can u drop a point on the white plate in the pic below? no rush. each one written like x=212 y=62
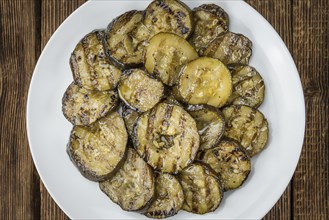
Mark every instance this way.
x=48 y=130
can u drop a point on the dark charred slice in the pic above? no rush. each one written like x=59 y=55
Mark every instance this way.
x=170 y=16
x=130 y=117
x=132 y=187
x=139 y=91
x=165 y=55
x=83 y=107
x=230 y=161
x=248 y=86
x=169 y=197
x=99 y=149
x=230 y=48
x=203 y=190
x=91 y=69
x=167 y=138
x=247 y=126
x=125 y=40
x=204 y=81
x=210 y=123
x=210 y=21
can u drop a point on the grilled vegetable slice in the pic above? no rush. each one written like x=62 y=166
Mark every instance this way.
x=165 y=54
x=204 y=81
x=89 y=65
x=126 y=38
x=169 y=197
x=169 y=16
x=130 y=117
x=210 y=123
x=132 y=187
x=248 y=86
x=167 y=138
x=98 y=150
x=83 y=107
x=230 y=161
x=139 y=91
x=210 y=21
x=172 y=100
x=248 y=126
x=202 y=189
x=230 y=48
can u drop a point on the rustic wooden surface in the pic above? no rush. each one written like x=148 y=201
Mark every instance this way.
x=26 y=26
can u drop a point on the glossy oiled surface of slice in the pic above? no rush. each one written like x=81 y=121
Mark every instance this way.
x=230 y=161
x=210 y=124
x=204 y=81
x=89 y=65
x=230 y=48
x=248 y=126
x=126 y=39
x=139 y=91
x=210 y=20
x=167 y=138
x=132 y=187
x=165 y=55
x=98 y=149
x=83 y=107
x=248 y=86
x=169 y=197
x=171 y=16
x=202 y=190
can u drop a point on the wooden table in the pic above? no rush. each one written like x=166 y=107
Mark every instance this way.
x=26 y=26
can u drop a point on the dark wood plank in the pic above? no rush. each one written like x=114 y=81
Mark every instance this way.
x=19 y=189
x=278 y=13
x=53 y=13
x=311 y=53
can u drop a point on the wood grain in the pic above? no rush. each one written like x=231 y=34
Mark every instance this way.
x=310 y=50
x=27 y=25
x=20 y=197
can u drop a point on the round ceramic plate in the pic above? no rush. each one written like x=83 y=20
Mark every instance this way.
x=48 y=130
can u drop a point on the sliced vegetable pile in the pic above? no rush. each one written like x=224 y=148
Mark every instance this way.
x=164 y=108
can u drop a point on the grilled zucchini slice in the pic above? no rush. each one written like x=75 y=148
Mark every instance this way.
x=89 y=65
x=169 y=197
x=248 y=86
x=132 y=187
x=130 y=117
x=139 y=91
x=172 y=100
x=210 y=21
x=204 y=81
x=202 y=189
x=167 y=138
x=83 y=107
x=247 y=126
x=230 y=48
x=230 y=161
x=171 y=16
x=126 y=38
x=210 y=123
x=98 y=150
x=165 y=54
